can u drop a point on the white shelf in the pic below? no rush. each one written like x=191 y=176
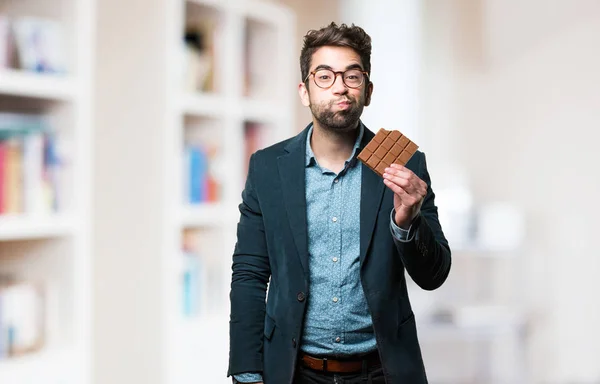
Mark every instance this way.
x=35 y=85
x=250 y=109
x=200 y=104
x=261 y=110
x=23 y=227
x=48 y=367
x=208 y=214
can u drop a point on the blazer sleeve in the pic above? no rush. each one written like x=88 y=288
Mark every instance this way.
x=251 y=272
x=427 y=257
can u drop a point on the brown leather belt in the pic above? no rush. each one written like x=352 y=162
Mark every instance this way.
x=340 y=366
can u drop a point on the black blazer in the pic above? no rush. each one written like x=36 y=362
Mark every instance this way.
x=272 y=244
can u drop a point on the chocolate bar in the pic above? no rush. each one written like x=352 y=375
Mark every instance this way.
x=386 y=148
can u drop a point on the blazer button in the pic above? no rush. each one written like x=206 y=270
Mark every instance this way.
x=301 y=297
x=294 y=342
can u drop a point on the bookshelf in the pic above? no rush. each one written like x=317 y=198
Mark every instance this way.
x=173 y=96
x=247 y=104
x=45 y=252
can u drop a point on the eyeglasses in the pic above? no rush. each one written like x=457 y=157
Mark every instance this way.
x=325 y=78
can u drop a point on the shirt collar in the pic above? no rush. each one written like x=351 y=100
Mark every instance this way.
x=310 y=156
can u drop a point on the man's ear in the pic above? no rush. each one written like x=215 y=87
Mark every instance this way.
x=303 y=92
x=368 y=93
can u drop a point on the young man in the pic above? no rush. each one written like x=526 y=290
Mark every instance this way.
x=335 y=240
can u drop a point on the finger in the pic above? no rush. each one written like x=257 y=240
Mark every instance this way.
x=405 y=184
x=406 y=198
x=402 y=188
x=399 y=170
x=398 y=190
x=406 y=201
x=403 y=172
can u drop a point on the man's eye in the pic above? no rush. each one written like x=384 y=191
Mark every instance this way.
x=352 y=77
x=324 y=77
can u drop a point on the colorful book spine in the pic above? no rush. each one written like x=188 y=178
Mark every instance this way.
x=200 y=184
x=30 y=165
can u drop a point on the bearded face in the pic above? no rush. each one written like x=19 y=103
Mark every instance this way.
x=336 y=107
x=339 y=114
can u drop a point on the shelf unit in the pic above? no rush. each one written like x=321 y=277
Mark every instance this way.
x=52 y=249
x=152 y=130
x=253 y=84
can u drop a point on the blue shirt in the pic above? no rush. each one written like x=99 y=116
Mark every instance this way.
x=337 y=320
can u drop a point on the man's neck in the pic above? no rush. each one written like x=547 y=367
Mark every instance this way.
x=332 y=149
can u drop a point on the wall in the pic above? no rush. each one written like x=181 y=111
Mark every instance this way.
x=519 y=90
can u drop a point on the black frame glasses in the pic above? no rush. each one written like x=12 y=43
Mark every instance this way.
x=334 y=77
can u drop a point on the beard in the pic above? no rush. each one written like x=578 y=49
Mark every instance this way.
x=337 y=121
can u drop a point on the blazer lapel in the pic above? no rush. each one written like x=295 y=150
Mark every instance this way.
x=292 y=174
x=371 y=195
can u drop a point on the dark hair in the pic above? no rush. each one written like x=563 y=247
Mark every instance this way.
x=339 y=36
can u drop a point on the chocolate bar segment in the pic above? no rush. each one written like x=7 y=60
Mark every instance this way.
x=386 y=148
x=372 y=146
x=396 y=150
x=373 y=161
x=380 y=136
x=411 y=148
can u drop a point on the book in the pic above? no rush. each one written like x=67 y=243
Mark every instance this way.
x=21 y=318
x=30 y=165
x=5 y=42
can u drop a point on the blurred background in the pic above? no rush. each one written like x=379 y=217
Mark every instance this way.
x=125 y=132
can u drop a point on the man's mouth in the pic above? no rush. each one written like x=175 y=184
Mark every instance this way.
x=344 y=104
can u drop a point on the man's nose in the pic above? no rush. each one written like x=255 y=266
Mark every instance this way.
x=338 y=86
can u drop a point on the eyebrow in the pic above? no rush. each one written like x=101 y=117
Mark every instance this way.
x=351 y=66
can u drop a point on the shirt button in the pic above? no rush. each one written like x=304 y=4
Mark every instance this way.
x=300 y=296
x=335 y=181
x=334 y=219
x=338 y=339
x=335 y=259
x=335 y=299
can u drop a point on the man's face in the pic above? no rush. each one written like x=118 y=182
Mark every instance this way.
x=339 y=107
